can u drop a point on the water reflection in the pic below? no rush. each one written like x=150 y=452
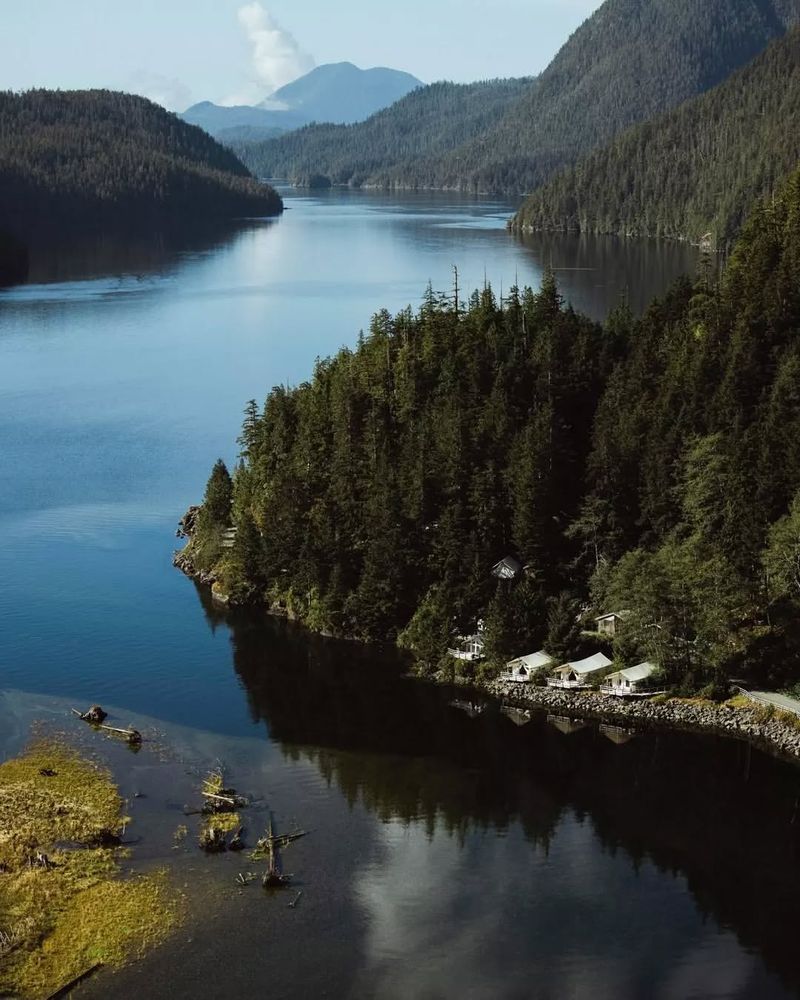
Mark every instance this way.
x=597 y=272
x=596 y=859
x=100 y=255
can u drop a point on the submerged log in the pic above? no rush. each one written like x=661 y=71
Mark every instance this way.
x=133 y=736
x=220 y=800
x=95 y=715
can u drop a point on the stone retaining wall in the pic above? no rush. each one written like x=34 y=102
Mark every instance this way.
x=776 y=733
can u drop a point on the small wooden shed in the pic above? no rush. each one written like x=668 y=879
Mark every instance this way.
x=611 y=623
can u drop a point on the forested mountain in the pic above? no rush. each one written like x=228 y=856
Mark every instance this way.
x=426 y=123
x=652 y=464
x=630 y=61
x=692 y=171
x=83 y=160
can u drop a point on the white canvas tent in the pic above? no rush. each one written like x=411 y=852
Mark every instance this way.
x=578 y=673
x=628 y=682
x=521 y=670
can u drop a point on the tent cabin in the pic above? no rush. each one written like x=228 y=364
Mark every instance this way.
x=565 y=725
x=507 y=569
x=578 y=674
x=611 y=624
x=521 y=670
x=628 y=683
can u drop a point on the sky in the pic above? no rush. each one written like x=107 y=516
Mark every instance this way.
x=178 y=52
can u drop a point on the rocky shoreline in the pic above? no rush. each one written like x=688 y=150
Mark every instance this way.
x=769 y=728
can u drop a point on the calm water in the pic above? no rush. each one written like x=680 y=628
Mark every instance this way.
x=452 y=856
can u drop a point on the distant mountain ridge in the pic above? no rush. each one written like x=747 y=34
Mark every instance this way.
x=631 y=60
x=339 y=93
x=691 y=172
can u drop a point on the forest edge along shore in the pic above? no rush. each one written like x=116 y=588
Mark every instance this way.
x=740 y=717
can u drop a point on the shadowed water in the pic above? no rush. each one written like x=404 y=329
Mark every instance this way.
x=451 y=855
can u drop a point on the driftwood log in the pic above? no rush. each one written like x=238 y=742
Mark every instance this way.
x=133 y=736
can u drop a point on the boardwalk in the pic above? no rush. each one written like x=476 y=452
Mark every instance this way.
x=781 y=701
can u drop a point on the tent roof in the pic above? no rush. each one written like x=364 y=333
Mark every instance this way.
x=533 y=661
x=638 y=673
x=589 y=665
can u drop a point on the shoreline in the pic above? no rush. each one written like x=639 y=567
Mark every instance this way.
x=768 y=729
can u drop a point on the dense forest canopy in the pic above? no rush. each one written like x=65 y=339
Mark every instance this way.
x=95 y=159
x=428 y=122
x=630 y=61
x=692 y=171
x=650 y=464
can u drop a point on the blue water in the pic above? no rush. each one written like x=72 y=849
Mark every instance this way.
x=455 y=857
x=123 y=380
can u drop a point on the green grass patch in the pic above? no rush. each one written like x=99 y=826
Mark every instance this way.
x=60 y=918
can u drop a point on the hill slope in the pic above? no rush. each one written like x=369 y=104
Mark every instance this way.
x=426 y=122
x=691 y=171
x=631 y=60
x=94 y=159
x=652 y=465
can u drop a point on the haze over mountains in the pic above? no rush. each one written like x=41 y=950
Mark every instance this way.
x=337 y=92
x=629 y=62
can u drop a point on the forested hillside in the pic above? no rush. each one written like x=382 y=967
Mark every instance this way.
x=692 y=171
x=428 y=122
x=630 y=61
x=93 y=159
x=652 y=464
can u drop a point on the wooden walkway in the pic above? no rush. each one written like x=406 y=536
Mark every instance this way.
x=781 y=701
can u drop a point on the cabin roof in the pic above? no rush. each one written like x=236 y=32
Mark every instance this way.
x=622 y=615
x=507 y=568
x=533 y=661
x=638 y=673
x=589 y=665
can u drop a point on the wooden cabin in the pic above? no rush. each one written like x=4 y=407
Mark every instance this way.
x=507 y=569
x=578 y=674
x=628 y=683
x=612 y=623
x=469 y=647
x=522 y=670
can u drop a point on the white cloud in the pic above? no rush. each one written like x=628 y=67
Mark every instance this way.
x=168 y=91
x=277 y=59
